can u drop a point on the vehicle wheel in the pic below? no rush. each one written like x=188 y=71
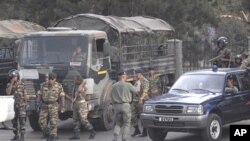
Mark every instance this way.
x=107 y=120
x=107 y=113
x=33 y=120
x=214 y=129
x=157 y=134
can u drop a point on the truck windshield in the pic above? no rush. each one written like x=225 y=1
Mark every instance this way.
x=46 y=50
x=199 y=83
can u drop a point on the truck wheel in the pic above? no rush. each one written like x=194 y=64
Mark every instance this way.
x=33 y=120
x=157 y=134
x=107 y=120
x=107 y=113
x=213 y=131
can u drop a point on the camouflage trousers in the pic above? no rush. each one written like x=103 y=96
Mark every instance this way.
x=123 y=119
x=136 y=110
x=80 y=116
x=49 y=112
x=19 y=119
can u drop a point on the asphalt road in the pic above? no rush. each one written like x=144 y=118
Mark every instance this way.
x=65 y=129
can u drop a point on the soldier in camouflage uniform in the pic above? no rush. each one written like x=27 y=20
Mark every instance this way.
x=16 y=87
x=121 y=97
x=142 y=97
x=155 y=86
x=223 y=53
x=49 y=96
x=246 y=61
x=80 y=109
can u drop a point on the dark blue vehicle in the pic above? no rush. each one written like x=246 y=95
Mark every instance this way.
x=199 y=102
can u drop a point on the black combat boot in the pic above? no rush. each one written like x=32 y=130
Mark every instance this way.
x=136 y=131
x=92 y=134
x=144 y=133
x=45 y=135
x=76 y=136
x=15 y=138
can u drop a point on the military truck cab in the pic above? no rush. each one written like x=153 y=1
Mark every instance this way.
x=52 y=51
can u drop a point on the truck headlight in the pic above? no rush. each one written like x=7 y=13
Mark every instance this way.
x=148 y=108
x=198 y=109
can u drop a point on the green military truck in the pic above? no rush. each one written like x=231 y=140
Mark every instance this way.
x=109 y=44
x=10 y=32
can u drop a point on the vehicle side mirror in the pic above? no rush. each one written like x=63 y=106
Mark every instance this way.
x=106 y=48
x=229 y=91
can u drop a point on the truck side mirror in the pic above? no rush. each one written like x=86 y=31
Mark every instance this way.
x=106 y=48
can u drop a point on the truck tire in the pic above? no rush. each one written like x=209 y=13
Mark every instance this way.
x=107 y=114
x=107 y=120
x=33 y=120
x=213 y=131
x=157 y=134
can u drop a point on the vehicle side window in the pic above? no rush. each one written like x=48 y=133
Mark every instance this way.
x=97 y=50
x=232 y=82
x=245 y=81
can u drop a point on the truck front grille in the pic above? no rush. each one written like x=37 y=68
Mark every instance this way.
x=169 y=109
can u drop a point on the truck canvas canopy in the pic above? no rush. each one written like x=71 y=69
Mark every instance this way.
x=136 y=42
x=10 y=32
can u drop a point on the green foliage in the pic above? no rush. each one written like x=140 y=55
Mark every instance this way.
x=188 y=17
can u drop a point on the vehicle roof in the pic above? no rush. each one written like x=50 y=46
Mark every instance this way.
x=67 y=32
x=221 y=71
x=14 y=29
x=121 y=24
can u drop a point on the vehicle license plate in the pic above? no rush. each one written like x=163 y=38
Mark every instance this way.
x=166 y=119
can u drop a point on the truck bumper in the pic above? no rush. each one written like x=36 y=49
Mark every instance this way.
x=178 y=123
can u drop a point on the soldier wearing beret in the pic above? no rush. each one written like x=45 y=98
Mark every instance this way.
x=121 y=96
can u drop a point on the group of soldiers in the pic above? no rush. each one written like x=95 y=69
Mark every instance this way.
x=49 y=95
x=224 y=58
x=128 y=101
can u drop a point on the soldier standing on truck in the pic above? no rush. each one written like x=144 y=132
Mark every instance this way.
x=155 y=85
x=223 y=53
x=142 y=97
x=80 y=109
x=49 y=96
x=121 y=97
x=16 y=87
x=246 y=61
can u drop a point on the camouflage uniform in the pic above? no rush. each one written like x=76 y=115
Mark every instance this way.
x=154 y=86
x=121 y=97
x=246 y=63
x=224 y=60
x=19 y=92
x=137 y=107
x=49 y=109
x=80 y=111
